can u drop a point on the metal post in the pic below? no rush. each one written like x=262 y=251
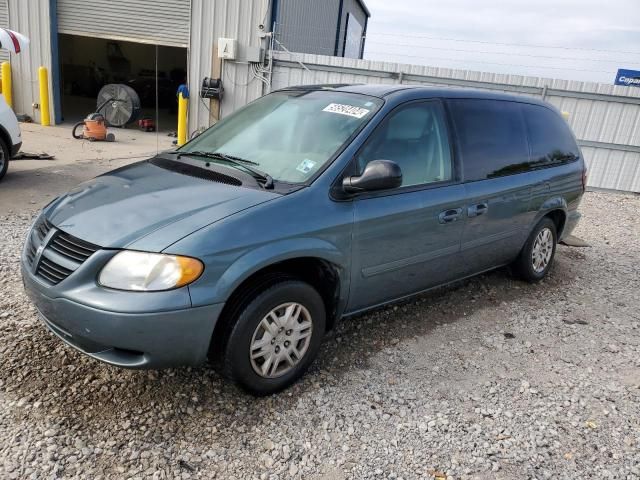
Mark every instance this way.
x=6 y=83
x=182 y=119
x=43 y=75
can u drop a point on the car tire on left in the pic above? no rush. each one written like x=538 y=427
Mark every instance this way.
x=4 y=158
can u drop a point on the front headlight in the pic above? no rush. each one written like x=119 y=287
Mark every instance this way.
x=149 y=272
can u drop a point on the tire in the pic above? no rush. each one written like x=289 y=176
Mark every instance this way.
x=249 y=334
x=4 y=158
x=535 y=269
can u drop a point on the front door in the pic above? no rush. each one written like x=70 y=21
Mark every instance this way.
x=493 y=147
x=407 y=239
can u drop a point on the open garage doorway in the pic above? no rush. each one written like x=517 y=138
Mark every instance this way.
x=89 y=63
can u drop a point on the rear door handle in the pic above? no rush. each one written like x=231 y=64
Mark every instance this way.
x=477 y=209
x=450 y=216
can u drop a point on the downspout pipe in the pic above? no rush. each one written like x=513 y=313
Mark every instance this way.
x=56 y=81
x=335 y=49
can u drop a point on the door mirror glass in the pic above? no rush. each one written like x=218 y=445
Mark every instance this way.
x=377 y=175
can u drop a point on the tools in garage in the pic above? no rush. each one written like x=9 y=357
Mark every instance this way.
x=93 y=129
x=147 y=124
x=118 y=106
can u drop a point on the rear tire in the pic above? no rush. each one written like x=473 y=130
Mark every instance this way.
x=275 y=337
x=4 y=158
x=536 y=257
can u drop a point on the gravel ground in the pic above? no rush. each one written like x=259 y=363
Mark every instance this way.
x=490 y=378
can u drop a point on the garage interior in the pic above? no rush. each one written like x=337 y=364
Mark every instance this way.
x=89 y=63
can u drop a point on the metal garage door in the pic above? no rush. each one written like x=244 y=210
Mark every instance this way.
x=4 y=23
x=162 y=22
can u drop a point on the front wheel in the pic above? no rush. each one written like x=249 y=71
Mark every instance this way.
x=536 y=256
x=275 y=337
x=4 y=158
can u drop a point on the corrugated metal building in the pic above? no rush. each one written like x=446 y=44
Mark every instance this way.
x=154 y=46
x=339 y=26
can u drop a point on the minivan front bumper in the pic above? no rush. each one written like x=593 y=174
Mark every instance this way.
x=132 y=340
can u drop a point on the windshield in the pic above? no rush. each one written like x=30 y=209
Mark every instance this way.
x=288 y=135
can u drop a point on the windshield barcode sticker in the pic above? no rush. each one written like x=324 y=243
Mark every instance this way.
x=305 y=166
x=350 y=110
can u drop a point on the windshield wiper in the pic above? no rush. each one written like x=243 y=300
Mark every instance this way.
x=264 y=179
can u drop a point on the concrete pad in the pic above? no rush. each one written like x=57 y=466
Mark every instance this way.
x=57 y=140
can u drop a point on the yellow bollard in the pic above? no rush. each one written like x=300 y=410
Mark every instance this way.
x=6 y=83
x=45 y=119
x=182 y=119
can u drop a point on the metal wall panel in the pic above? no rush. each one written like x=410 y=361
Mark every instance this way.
x=32 y=19
x=349 y=7
x=308 y=25
x=161 y=22
x=211 y=19
x=606 y=114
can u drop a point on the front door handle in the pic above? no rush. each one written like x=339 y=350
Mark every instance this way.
x=477 y=209
x=449 y=216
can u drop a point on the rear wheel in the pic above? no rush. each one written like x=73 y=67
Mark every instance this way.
x=537 y=255
x=4 y=158
x=275 y=337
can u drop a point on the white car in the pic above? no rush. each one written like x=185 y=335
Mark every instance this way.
x=10 y=136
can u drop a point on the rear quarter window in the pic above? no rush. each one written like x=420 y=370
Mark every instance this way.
x=492 y=138
x=550 y=137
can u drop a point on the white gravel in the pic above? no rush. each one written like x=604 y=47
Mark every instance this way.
x=491 y=378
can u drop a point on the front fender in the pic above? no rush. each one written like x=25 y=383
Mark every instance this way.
x=255 y=260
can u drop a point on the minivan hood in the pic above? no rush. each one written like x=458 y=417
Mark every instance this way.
x=134 y=206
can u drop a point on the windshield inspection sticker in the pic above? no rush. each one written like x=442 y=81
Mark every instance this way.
x=350 y=110
x=306 y=165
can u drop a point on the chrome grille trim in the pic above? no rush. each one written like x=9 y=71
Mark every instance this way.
x=62 y=246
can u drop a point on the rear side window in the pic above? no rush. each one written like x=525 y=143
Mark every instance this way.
x=549 y=136
x=492 y=138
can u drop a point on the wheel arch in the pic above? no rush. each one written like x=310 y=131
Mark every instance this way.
x=6 y=138
x=555 y=208
x=324 y=268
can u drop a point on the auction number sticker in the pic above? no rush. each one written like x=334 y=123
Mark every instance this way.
x=350 y=110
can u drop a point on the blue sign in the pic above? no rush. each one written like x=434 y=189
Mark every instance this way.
x=630 y=78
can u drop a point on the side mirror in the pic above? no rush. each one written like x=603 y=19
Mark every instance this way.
x=377 y=175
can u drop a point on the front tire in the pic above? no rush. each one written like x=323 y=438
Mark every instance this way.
x=536 y=257
x=275 y=337
x=4 y=158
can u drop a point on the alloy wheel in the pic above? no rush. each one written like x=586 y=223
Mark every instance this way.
x=542 y=250
x=281 y=340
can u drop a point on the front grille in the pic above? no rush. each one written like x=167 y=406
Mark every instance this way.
x=71 y=247
x=36 y=237
x=51 y=271
x=62 y=255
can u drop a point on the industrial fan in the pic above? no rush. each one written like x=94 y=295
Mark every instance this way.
x=118 y=105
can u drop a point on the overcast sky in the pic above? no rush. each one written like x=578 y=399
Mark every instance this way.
x=597 y=36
